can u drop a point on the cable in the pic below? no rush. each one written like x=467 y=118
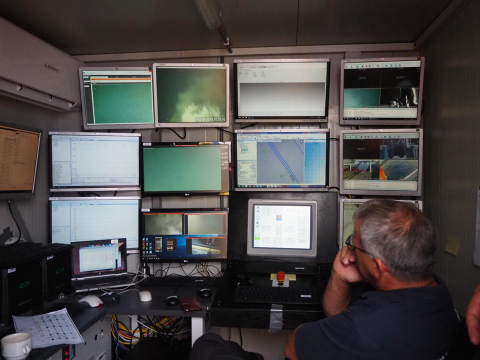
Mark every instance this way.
x=241 y=337
x=244 y=127
x=83 y=193
x=185 y=133
x=132 y=131
x=15 y=220
x=222 y=130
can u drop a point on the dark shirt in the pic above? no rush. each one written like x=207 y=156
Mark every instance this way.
x=412 y=324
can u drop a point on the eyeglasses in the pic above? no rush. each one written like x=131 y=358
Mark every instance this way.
x=352 y=247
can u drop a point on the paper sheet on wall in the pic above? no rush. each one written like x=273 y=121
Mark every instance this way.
x=55 y=328
x=476 y=255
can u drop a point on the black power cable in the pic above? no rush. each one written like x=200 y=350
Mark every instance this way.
x=15 y=220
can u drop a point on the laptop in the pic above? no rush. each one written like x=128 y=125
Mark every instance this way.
x=100 y=264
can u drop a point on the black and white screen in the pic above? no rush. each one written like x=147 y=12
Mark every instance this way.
x=281 y=90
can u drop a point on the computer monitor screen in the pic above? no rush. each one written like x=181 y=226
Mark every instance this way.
x=99 y=257
x=348 y=208
x=381 y=162
x=191 y=95
x=381 y=91
x=281 y=90
x=281 y=228
x=87 y=219
x=19 y=148
x=176 y=235
x=186 y=168
x=94 y=161
x=116 y=98
x=282 y=160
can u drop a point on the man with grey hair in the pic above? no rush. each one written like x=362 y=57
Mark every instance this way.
x=408 y=315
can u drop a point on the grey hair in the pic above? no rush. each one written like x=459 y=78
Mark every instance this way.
x=400 y=235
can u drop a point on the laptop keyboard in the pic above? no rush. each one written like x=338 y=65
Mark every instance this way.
x=106 y=282
x=268 y=267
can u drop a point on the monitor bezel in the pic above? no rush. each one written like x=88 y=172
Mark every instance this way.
x=183 y=193
x=286 y=189
x=280 y=253
x=87 y=198
x=282 y=119
x=419 y=203
x=417 y=192
x=393 y=121
x=94 y=187
x=182 y=210
x=87 y=126
x=159 y=124
x=22 y=194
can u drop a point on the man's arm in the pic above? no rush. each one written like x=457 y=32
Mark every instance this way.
x=338 y=293
x=473 y=317
x=290 y=346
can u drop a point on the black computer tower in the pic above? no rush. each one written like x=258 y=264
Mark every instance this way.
x=58 y=274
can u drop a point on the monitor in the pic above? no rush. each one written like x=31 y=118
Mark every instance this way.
x=99 y=258
x=282 y=160
x=19 y=149
x=381 y=162
x=348 y=208
x=74 y=219
x=176 y=235
x=386 y=91
x=116 y=98
x=282 y=228
x=186 y=168
x=191 y=95
x=280 y=90
x=94 y=161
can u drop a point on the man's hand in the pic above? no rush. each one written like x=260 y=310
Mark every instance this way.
x=473 y=317
x=345 y=267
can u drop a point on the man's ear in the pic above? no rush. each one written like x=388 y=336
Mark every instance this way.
x=379 y=268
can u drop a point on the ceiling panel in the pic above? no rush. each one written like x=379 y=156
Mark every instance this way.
x=329 y=22
x=82 y=27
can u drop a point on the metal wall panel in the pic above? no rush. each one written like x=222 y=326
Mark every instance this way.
x=452 y=146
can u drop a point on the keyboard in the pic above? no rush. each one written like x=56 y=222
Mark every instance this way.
x=72 y=307
x=277 y=295
x=268 y=267
x=181 y=281
x=110 y=280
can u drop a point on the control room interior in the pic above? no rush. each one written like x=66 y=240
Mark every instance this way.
x=76 y=34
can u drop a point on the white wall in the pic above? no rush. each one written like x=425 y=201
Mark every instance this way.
x=452 y=144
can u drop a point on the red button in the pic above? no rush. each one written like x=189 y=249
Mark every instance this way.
x=280 y=276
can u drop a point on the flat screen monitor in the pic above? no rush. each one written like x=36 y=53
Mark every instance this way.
x=385 y=91
x=116 y=98
x=74 y=219
x=348 y=208
x=282 y=228
x=94 y=161
x=176 y=235
x=19 y=149
x=191 y=95
x=99 y=258
x=186 y=168
x=381 y=162
x=282 y=160
x=274 y=90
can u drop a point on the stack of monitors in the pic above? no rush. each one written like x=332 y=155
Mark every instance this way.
x=78 y=219
x=280 y=90
x=176 y=235
x=20 y=147
x=385 y=91
x=94 y=161
x=282 y=160
x=116 y=98
x=348 y=208
x=186 y=168
x=381 y=162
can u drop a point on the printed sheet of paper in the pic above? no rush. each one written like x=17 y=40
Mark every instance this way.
x=55 y=328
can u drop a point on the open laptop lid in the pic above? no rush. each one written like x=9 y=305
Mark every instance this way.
x=99 y=258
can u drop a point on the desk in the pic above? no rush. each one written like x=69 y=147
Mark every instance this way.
x=225 y=313
x=130 y=304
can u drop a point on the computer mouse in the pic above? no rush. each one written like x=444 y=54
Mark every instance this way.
x=115 y=296
x=91 y=300
x=204 y=293
x=145 y=295
x=172 y=300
